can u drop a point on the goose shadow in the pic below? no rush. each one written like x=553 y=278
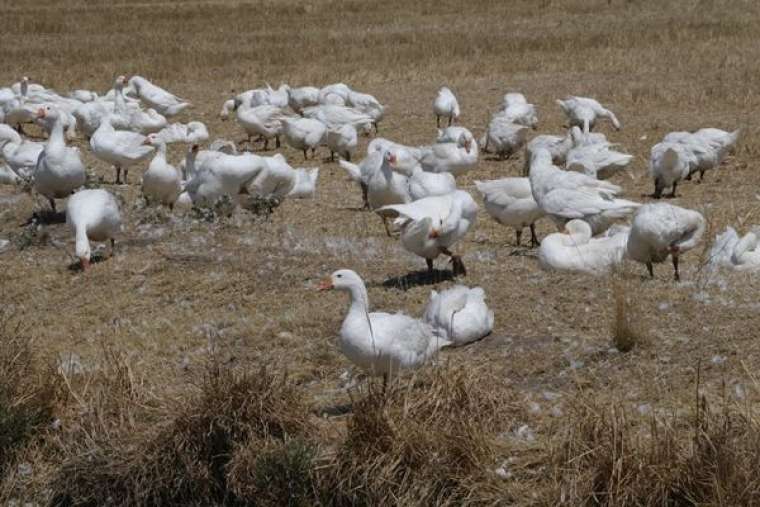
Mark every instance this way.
x=524 y=252
x=335 y=410
x=46 y=217
x=418 y=278
x=76 y=267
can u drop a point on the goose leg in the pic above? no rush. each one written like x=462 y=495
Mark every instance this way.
x=437 y=121
x=118 y=175
x=451 y=118
x=518 y=236
x=332 y=156
x=313 y=152
x=650 y=269
x=674 y=251
x=364 y=194
x=534 y=242
x=266 y=143
x=387 y=228
x=276 y=141
x=673 y=193
x=305 y=154
x=701 y=176
x=113 y=246
x=377 y=130
x=456 y=263
x=52 y=203
x=658 y=186
x=126 y=176
x=430 y=267
x=348 y=156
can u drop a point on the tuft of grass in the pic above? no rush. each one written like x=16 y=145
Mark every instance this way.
x=627 y=332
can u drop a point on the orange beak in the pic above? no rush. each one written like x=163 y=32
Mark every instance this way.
x=325 y=284
x=41 y=112
x=434 y=234
x=392 y=159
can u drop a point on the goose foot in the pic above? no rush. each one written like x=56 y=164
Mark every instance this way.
x=458 y=266
x=534 y=242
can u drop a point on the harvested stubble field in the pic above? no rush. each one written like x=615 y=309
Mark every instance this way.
x=200 y=366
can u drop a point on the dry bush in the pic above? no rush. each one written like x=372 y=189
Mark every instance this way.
x=627 y=332
x=608 y=456
x=179 y=451
x=27 y=390
x=432 y=441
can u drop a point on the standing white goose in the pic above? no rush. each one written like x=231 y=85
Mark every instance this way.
x=59 y=169
x=510 y=202
x=304 y=134
x=133 y=118
x=431 y=226
x=669 y=163
x=459 y=314
x=453 y=157
x=213 y=174
x=599 y=161
x=92 y=215
x=584 y=112
x=504 y=137
x=20 y=154
x=156 y=97
x=120 y=148
x=660 y=230
x=302 y=97
x=445 y=105
x=574 y=250
x=380 y=343
x=565 y=195
x=161 y=182
x=342 y=140
x=516 y=109
x=263 y=121
x=386 y=186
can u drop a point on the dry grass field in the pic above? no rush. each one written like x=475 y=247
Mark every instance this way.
x=200 y=365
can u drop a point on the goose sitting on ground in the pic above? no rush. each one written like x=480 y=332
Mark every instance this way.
x=584 y=112
x=304 y=134
x=733 y=252
x=120 y=148
x=659 y=230
x=431 y=226
x=574 y=250
x=510 y=202
x=669 y=163
x=306 y=184
x=453 y=157
x=445 y=105
x=381 y=344
x=597 y=160
x=21 y=155
x=161 y=183
x=275 y=180
x=92 y=215
x=59 y=169
x=459 y=314
x=302 y=97
x=342 y=140
x=565 y=195
x=156 y=97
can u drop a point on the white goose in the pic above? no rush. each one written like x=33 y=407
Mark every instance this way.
x=431 y=226
x=8 y=176
x=361 y=173
x=156 y=97
x=335 y=94
x=342 y=140
x=504 y=138
x=426 y=184
x=659 y=230
x=306 y=184
x=445 y=105
x=59 y=169
x=20 y=154
x=510 y=202
x=565 y=195
x=336 y=116
x=460 y=315
x=120 y=148
x=738 y=254
x=456 y=158
x=92 y=215
x=599 y=161
x=367 y=104
x=213 y=174
x=669 y=163
x=381 y=344
x=161 y=182
x=516 y=109
x=302 y=97
x=557 y=146
x=276 y=179
x=193 y=132
x=577 y=252
x=584 y=112
x=263 y=121
x=134 y=118
x=386 y=186
x=304 y=134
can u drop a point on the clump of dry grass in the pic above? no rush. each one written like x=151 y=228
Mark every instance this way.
x=627 y=332
x=27 y=390
x=179 y=451
x=432 y=441
x=609 y=456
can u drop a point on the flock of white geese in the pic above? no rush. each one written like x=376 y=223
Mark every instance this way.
x=413 y=189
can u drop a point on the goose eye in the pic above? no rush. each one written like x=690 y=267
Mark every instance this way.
x=340 y=276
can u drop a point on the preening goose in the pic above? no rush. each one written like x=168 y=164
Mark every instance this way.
x=510 y=202
x=336 y=116
x=453 y=157
x=304 y=134
x=133 y=118
x=161 y=183
x=263 y=121
x=368 y=105
x=431 y=226
x=92 y=215
x=59 y=169
x=193 y=132
x=302 y=97
x=213 y=174
x=574 y=250
x=669 y=163
x=275 y=180
x=335 y=94
x=734 y=252
x=120 y=148
x=459 y=314
x=156 y=97
x=565 y=195
x=584 y=112
x=599 y=161
x=516 y=109
x=660 y=230
x=381 y=344
x=504 y=138
x=445 y=105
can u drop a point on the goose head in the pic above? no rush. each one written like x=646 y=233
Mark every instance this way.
x=82 y=250
x=343 y=279
x=578 y=229
x=152 y=140
x=390 y=158
x=120 y=82
x=48 y=112
x=465 y=142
